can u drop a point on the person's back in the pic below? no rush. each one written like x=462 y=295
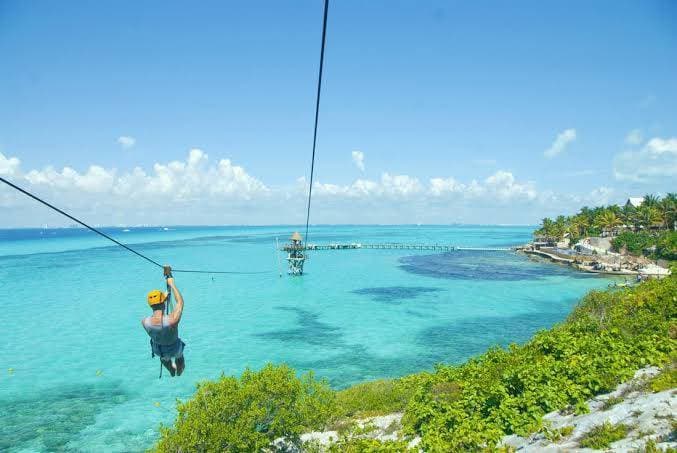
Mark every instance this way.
x=164 y=336
x=163 y=330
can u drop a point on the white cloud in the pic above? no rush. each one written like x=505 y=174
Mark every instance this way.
x=499 y=187
x=600 y=196
x=391 y=186
x=126 y=141
x=657 y=160
x=9 y=166
x=561 y=142
x=197 y=190
x=358 y=159
x=634 y=137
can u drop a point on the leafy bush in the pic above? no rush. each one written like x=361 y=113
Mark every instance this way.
x=378 y=397
x=247 y=414
x=555 y=435
x=611 y=402
x=603 y=342
x=636 y=243
x=362 y=445
x=666 y=380
x=601 y=436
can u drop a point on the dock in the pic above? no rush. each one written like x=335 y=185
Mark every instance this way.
x=401 y=246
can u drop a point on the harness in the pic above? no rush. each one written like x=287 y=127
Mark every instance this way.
x=169 y=307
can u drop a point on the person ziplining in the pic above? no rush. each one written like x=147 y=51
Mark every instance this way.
x=163 y=327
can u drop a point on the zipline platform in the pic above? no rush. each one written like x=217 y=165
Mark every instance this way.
x=397 y=246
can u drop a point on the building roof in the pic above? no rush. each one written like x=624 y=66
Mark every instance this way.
x=296 y=236
x=635 y=201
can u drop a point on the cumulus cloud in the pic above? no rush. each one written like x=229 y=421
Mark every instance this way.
x=9 y=166
x=634 y=137
x=391 y=186
x=500 y=186
x=200 y=190
x=126 y=142
x=655 y=161
x=358 y=159
x=600 y=196
x=561 y=142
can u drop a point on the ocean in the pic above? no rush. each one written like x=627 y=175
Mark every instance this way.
x=76 y=369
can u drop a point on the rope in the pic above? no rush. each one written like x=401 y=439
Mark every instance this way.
x=101 y=233
x=317 y=114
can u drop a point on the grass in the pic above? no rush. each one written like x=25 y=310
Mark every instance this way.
x=380 y=397
x=602 y=436
x=666 y=380
x=611 y=402
x=555 y=435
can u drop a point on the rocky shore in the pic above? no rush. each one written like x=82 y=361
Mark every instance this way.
x=647 y=418
x=597 y=259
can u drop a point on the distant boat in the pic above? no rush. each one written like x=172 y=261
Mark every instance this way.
x=166 y=229
x=126 y=230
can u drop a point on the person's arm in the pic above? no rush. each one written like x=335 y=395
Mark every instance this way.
x=175 y=315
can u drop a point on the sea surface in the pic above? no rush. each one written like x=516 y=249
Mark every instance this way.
x=76 y=372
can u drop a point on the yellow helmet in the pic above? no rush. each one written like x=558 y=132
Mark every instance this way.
x=156 y=297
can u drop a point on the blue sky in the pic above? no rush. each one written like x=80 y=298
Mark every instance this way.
x=453 y=91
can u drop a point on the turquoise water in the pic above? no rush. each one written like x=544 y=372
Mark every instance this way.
x=81 y=376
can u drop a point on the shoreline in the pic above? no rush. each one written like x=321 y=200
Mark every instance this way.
x=577 y=262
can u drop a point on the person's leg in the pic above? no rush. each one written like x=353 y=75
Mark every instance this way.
x=180 y=365
x=167 y=363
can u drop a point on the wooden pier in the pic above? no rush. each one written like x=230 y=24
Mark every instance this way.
x=399 y=246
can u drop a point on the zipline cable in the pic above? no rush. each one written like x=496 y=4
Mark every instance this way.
x=97 y=231
x=317 y=114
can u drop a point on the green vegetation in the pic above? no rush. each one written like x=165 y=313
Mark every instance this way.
x=467 y=407
x=666 y=380
x=555 y=435
x=653 y=215
x=601 y=436
x=607 y=337
x=658 y=245
x=611 y=402
x=247 y=414
x=383 y=396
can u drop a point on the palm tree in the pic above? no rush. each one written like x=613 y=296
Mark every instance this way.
x=648 y=216
x=607 y=221
x=628 y=215
x=669 y=207
x=650 y=201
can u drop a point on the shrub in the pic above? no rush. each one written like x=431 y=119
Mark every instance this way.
x=666 y=380
x=247 y=414
x=611 y=402
x=507 y=391
x=378 y=397
x=665 y=243
x=601 y=436
x=361 y=445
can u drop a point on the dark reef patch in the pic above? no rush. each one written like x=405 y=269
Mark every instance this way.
x=395 y=294
x=457 y=341
x=309 y=331
x=469 y=265
x=51 y=418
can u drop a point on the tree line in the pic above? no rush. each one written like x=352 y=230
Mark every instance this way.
x=655 y=213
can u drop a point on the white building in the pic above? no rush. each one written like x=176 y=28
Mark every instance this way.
x=635 y=202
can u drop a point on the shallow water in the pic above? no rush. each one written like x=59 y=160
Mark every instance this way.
x=77 y=371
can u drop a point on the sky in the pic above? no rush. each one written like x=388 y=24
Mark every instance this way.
x=130 y=113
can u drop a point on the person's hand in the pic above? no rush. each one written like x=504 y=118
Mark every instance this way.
x=170 y=281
